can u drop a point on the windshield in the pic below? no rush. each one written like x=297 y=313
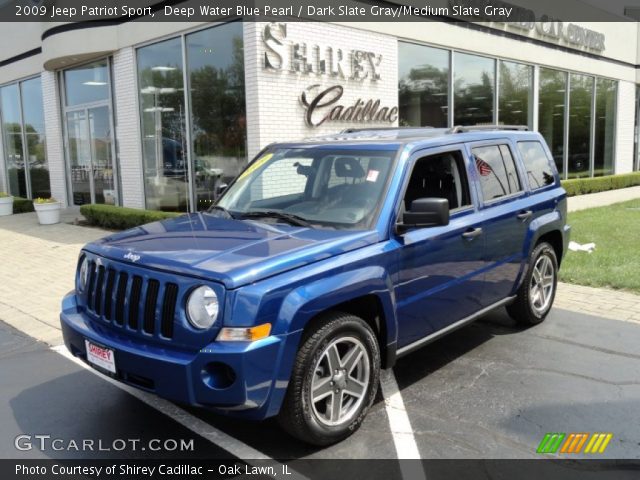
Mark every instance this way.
x=339 y=188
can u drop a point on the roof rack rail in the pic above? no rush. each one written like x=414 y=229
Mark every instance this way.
x=473 y=128
x=383 y=129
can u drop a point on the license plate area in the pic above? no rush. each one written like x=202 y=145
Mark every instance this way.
x=101 y=357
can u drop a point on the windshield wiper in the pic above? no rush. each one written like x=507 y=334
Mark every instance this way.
x=218 y=208
x=288 y=217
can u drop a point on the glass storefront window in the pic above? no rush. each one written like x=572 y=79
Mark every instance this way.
x=474 y=85
x=24 y=139
x=216 y=113
x=33 y=118
x=215 y=60
x=514 y=102
x=551 y=107
x=163 y=112
x=580 y=97
x=423 y=85
x=605 y=126
x=12 y=130
x=87 y=83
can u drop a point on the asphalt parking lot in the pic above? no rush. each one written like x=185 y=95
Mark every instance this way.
x=489 y=390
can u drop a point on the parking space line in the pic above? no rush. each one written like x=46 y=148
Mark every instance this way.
x=399 y=423
x=221 y=439
x=401 y=430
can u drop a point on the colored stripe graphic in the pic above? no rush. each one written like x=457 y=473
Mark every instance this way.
x=550 y=443
x=573 y=442
x=598 y=443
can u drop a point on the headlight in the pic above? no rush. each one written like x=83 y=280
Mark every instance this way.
x=202 y=307
x=83 y=277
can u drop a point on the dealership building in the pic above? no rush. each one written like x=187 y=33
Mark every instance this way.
x=160 y=115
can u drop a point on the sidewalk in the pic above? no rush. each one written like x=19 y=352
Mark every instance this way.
x=37 y=268
x=38 y=263
x=600 y=199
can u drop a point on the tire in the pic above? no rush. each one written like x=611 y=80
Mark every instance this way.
x=530 y=308
x=316 y=422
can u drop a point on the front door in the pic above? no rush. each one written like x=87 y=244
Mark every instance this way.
x=440 y=269
x=90 y=150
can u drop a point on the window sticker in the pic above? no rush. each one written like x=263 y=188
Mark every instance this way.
x=372 y=175
x=256 y=165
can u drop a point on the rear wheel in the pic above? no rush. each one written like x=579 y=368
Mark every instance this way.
x=538 y=290
x=334 y=381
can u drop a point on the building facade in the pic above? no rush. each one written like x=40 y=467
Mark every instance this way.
x=162 y=115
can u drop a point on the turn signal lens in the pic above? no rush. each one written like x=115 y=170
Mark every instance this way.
x=249 y=334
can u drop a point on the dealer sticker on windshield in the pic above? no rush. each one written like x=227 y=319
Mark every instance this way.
x=100 y=356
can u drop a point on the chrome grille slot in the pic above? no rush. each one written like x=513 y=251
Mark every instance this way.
x=98 y=296
x=153 y=286
x=168 y=309
x=108 y=294
x=134 y=302
x=123 y=279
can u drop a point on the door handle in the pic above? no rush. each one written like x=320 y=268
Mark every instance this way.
x=524 y=215
x=472 y=233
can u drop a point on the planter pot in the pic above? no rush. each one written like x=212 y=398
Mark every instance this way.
x=48 y=213
x=6 y=206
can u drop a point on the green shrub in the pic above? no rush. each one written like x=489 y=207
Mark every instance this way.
x=580 y=186
x=121 y=218
x=22 y=205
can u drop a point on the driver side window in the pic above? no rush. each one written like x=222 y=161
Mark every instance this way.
x=441 y=175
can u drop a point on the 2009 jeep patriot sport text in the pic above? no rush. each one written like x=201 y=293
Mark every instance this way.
x=321 y=263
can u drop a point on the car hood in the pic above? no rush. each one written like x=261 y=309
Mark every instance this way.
x=233 y=252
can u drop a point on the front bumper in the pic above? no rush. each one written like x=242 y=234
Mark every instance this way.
x=186 y=376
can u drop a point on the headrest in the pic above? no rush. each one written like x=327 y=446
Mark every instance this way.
x=348 y=167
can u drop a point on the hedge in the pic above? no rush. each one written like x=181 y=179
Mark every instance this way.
x=580 y=186
x=121 y=218
x=22 y=205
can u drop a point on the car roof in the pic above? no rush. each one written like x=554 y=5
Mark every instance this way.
x=393 y=138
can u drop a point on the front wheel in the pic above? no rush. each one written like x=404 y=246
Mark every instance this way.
x=538 y=289
x=334 y=381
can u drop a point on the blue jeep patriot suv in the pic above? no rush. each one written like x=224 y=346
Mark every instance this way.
x=323 y=262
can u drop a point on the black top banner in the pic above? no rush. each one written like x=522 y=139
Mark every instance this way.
x=522 y=12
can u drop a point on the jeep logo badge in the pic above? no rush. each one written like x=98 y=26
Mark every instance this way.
x=132 y=256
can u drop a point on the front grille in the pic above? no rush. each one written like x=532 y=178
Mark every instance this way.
x=137 y=302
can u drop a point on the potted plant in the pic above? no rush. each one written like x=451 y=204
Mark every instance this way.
x=6 y=204
x=48 y=210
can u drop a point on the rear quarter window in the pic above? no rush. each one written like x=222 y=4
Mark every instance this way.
x=537 y=165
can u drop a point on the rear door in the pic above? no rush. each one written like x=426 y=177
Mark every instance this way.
x=506 y=210
x=439 y=279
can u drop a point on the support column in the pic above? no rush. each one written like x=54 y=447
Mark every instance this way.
x=53 y=131
x=127 y=120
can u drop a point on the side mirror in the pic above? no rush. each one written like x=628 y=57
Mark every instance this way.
x=221 y=188
x=425 y=212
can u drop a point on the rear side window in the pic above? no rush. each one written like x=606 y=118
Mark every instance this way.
x=496 y=171
x=537 y=164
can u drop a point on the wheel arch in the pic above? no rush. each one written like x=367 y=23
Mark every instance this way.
x=366 y=293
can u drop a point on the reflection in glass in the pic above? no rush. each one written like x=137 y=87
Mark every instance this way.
x=100 y=142
x=551 y=103
x=605 y=126
x=216 y=71
x=163 y=126
x=87 y=83
x=580 y=96
x=514 y=93
x=473 y=89
x=423 y=85
x=12 y=130
x=33 y=118
x=79 y=152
